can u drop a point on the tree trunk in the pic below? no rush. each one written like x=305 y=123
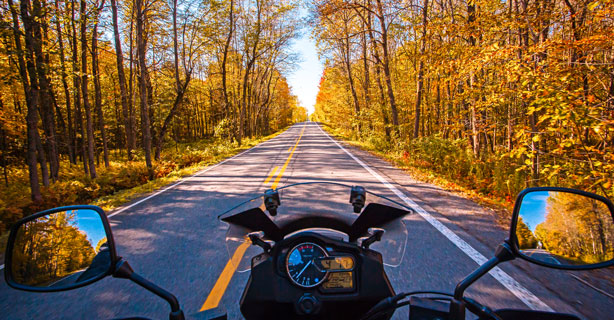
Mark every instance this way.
x=131 y=97
x=365 y=66
x=45 y=96
x=345 y=52
x=421 y=69
x=128 y=123
x=70 y=136
x=42 y=159
x=97 y=89
x=141 y=45
x=250 y=59
x=472 y=76
x=84 y=92
x=227 y=107
x=77 y=90
x=386 y=66
x=39 y=153
x=31 y=101
x=378 y=76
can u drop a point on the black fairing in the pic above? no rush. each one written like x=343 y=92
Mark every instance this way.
x=270 y=294
x=374 y=215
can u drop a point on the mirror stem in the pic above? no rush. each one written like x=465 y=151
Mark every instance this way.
x=502 y=254
x=124 y=271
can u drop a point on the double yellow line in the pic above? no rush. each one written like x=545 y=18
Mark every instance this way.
x=283 y=169
x=216 y=294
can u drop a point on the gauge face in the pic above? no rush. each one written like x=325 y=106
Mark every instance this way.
x=301 y=267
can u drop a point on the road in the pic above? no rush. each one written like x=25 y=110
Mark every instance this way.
x=541 y=255
x=172 y=238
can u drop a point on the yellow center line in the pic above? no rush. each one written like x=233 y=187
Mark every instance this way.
x=271 y=175
x=283 y=169
x=216 y=294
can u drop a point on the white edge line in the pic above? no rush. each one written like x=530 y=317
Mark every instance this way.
x=183 y=180
x=526 y=296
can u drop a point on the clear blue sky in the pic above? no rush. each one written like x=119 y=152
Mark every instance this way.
x=90 y=223
x=533 y=208
x=305 y=79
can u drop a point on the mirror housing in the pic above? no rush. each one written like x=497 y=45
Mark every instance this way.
x=94 y=224
x=16 y=230
x=546 y=255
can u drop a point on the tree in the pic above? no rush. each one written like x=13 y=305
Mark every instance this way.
x=128 y=120
x=181 y=86
x=84 y=91
x=141 y=49
x=98 y=92
x=31 y=99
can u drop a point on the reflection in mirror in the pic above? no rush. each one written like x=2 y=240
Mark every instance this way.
x=60 y=249
x=563 y=228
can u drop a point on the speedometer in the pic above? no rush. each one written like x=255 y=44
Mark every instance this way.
x=301 y=266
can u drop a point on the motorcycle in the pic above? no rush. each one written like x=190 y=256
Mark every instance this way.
x=321 y=258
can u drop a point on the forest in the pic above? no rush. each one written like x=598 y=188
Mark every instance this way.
x=492 y=95
x=99 y=96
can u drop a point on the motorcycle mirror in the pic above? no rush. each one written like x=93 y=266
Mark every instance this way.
x=563 y=228
x=271 y=201
x=358 y=196
x=59 y=249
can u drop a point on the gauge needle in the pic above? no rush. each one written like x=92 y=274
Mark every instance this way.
x=305 y=267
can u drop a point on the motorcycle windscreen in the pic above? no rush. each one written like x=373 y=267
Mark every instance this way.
x=316 y=207
x=392 y=245
x=239 y=247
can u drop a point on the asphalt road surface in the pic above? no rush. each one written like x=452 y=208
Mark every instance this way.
x=541 y=255
x=172 y=238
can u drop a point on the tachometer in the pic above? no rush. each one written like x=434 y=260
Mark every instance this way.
x=301 y=267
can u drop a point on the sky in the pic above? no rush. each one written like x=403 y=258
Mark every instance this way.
x=305 y=79
x=533 y=208
x=90 y=223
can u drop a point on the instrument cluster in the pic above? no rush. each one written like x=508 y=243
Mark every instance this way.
x=310 y=265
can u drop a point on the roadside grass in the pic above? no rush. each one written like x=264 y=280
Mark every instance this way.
x=500 y=206
x=122 y=182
